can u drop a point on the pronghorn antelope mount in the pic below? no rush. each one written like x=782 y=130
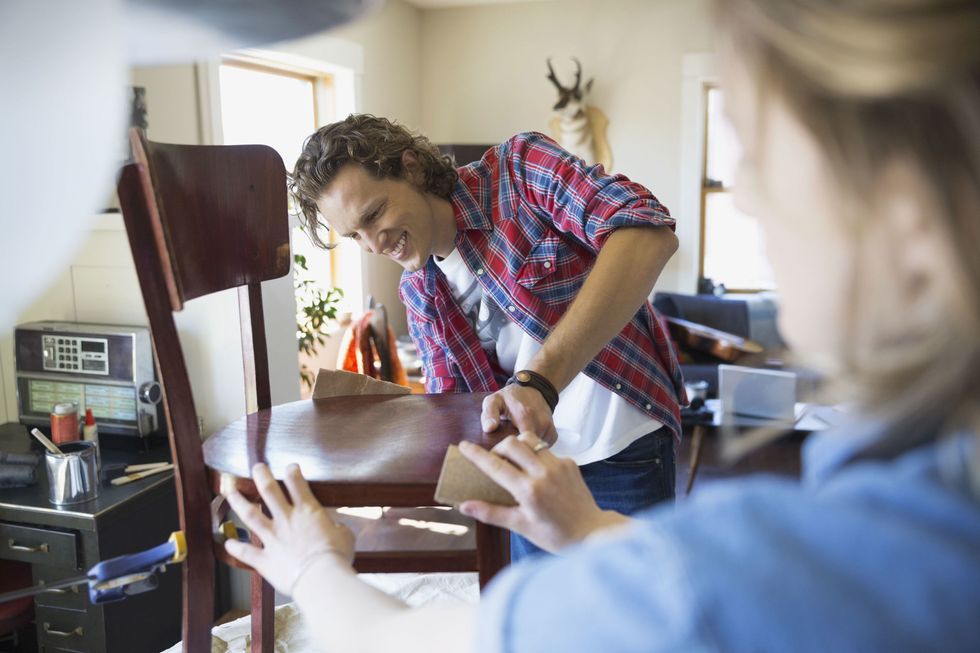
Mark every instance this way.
x=579 y=127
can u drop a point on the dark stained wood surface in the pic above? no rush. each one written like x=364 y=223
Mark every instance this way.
x=202 y=219
x=355 y=451
x=223 y=214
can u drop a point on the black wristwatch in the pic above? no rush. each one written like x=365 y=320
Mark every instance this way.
x=530 y=379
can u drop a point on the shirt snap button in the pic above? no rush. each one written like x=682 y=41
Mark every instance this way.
x=619 y=386
x=480 y=272
x=649 y=406
x=511 y=308
x=547 y=264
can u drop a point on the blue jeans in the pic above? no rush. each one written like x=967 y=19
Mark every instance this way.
x=637 y=477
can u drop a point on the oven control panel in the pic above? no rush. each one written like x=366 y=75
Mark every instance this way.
x=68 y=354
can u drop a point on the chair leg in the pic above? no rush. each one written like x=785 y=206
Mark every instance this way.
x=198 y=602
x=696 y=445
x=492 y=551
x=263 y=615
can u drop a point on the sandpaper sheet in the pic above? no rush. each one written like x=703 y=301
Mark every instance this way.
x=339 y=383
x=460 y=480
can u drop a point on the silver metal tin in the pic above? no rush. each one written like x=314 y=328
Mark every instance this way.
x=73 y=476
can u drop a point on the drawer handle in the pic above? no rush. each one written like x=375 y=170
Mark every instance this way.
x=62 y=633
x=41 y=548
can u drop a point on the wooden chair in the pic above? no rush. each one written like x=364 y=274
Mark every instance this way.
x=379 y=337
x=202 y=219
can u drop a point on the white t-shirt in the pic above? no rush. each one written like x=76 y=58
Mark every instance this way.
x=593 y=423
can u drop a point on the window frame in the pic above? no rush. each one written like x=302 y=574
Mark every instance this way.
x=707 y=189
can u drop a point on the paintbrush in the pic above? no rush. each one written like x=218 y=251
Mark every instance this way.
x=48 y=444
x=143 y=467
x=129 y=478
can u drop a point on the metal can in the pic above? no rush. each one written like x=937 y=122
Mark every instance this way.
x=73 y=475
x=64 y=423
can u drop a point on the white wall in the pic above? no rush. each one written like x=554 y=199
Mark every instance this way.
x=86 y=288
x=484 y=79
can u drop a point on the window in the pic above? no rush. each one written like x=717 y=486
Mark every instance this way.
x=732 y=248
x=279 y=107
x=274 y=103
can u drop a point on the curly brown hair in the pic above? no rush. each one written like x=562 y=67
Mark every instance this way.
x=375 y=143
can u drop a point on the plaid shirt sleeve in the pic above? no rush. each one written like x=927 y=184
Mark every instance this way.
x=576 y=198
x=441 y=374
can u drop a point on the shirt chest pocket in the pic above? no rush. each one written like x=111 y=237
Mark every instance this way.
x=554 y=270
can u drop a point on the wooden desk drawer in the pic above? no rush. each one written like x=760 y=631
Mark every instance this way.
x=73 y=598
x=38 y=546
x=67 y=630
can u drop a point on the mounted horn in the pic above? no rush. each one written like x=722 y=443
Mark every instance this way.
x=554 y=78
x=576 y=125
x=578 y=73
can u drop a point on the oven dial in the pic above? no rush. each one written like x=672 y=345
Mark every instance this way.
x=150 y=393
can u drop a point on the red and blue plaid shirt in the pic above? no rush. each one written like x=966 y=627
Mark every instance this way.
x=531 y=220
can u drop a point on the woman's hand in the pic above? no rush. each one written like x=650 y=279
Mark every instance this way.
x=555 y=507
x=299 y=532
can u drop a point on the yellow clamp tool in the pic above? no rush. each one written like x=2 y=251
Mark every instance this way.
x=179 y=540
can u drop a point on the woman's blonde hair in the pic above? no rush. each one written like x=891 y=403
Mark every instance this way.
x=875 y=82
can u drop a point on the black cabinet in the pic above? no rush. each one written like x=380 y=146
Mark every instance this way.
x=60 y=542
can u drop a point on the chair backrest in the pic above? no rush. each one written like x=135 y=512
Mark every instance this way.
x=378 y=325
x=220 y=213
x=202 y=219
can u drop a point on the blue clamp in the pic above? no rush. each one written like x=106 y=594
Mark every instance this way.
x=117 y=578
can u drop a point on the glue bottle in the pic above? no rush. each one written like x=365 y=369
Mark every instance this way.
x=90 y=431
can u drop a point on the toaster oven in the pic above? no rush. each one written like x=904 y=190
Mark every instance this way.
x=103 y=367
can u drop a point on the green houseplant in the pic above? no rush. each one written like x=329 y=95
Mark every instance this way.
x=316 y=310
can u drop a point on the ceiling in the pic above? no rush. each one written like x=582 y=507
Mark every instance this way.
x=439 y=4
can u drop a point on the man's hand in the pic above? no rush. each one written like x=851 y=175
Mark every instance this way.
x=555 y=508
x=299 y=532
x=524 y=407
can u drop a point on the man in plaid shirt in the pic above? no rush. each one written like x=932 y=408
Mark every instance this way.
x=526 y=276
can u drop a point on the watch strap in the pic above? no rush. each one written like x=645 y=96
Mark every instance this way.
x=531 y=379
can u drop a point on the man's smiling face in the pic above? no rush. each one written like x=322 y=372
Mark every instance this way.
x=390 y=217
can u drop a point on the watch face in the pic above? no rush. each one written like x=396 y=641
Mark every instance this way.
x=523 y=377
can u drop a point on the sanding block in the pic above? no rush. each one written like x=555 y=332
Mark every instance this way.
x=460 y=480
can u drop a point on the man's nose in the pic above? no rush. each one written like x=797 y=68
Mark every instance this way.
x=371 y=242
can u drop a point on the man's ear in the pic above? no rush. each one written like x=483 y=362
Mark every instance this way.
x=413 y=169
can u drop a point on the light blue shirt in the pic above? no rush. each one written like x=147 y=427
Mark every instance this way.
x=870 y=556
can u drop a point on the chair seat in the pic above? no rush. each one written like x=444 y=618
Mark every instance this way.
x=355 y=451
